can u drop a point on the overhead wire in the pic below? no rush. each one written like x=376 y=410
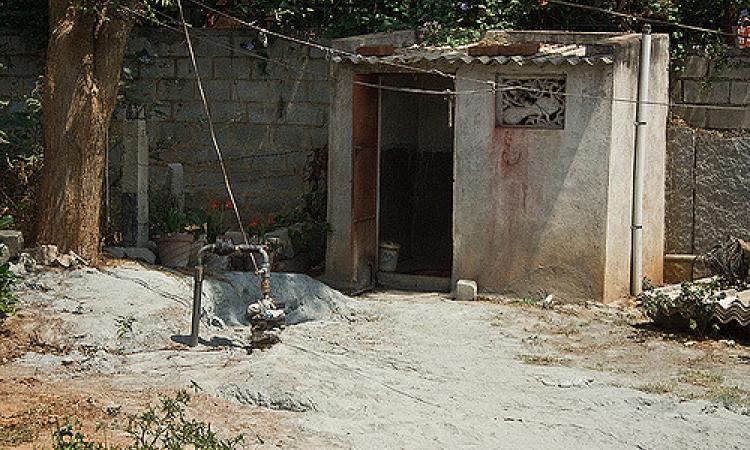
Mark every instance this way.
x=495 y=86
x=639 y=18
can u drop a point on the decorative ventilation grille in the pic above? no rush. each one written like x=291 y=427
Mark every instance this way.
x=537 y=103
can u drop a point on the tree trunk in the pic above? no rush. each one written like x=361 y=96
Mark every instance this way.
x=84 y=62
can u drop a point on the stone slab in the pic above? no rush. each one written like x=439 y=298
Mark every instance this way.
x=679 y=189
x=13 y=240
x=466 y=290
x=722 y=190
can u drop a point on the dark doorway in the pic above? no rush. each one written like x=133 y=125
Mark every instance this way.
x=416 y=174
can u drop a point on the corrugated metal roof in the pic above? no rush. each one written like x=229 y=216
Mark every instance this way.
x=549 y=54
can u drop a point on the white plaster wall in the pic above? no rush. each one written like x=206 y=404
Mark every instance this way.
x=531 y=205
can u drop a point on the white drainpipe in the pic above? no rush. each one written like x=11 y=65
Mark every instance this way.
x=636 y=267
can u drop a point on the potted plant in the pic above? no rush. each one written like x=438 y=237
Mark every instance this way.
x=389 y=256
x=176 y=238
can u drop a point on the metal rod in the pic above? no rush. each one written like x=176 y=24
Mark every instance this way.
x=196 y=322
x=636 y=266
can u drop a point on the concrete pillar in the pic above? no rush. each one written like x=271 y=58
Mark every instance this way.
x=134 y=202
x=175 y=181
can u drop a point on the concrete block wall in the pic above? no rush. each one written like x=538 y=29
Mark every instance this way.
x=704 y=83
x=708 y=156
x=706 y=192
x=268 y=117
x=22 y=64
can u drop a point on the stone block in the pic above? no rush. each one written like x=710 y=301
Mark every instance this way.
x=306 y=114
x=288 y=136
x=695 y=67
x=226 y=111
x=466 y=290
x=184 y=67
x=257 y=91
x=740 y=93
x=237 y=68
x=317 y=69
x=698 y=92
x=319 y=92
x=285 y=184
x=262 y=113
x=318 y=137
x=733 y=68
x=679 y=189
x=721 y=190
x=158 y=68
x=13 y=240
x=695 y=117
x=218 y=90
x=188 y=111
x=728 y=119
x=179 y=90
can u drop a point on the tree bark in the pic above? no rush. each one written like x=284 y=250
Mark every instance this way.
x=84 y=61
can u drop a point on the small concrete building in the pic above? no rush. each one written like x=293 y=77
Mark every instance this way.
x=524 y=187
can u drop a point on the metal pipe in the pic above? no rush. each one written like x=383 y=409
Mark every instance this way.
x=196 y=321
x=636 y=266
x=224 y=249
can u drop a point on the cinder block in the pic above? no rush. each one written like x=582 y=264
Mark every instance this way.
x=158 y=68
x=466 y=290
x=306 y=114
x=232 y=68
x=185 y=68
x=289 y=136
x=257 y=91
x=13 y=240
x=180 y=90
x=734 y=68
x=714 y=93
x=740 y=94
x=319 y=92
x=695 y=67
x=262 y=113
x=726 y=119
x=217 y=90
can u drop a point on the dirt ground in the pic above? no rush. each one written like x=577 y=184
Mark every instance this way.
x=395 y=370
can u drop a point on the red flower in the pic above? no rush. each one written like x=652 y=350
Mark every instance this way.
x=271 y=220
x=228 y=204
x=254 y=223
x=215 y=204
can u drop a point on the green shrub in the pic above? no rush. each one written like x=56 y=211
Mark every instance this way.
x=8 y=300
x=691 y=308
x=164 y=426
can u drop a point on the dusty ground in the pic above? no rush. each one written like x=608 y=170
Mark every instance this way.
x=386 y=370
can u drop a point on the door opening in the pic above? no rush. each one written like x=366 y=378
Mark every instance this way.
x=416 y=174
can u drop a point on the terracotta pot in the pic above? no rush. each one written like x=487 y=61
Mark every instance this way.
x=175 y=249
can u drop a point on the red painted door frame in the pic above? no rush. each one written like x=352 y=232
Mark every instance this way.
x=365 y=137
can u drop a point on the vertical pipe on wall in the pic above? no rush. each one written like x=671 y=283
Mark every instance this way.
x=636 y=267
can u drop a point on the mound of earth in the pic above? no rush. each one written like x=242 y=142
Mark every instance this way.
x=131 y=308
